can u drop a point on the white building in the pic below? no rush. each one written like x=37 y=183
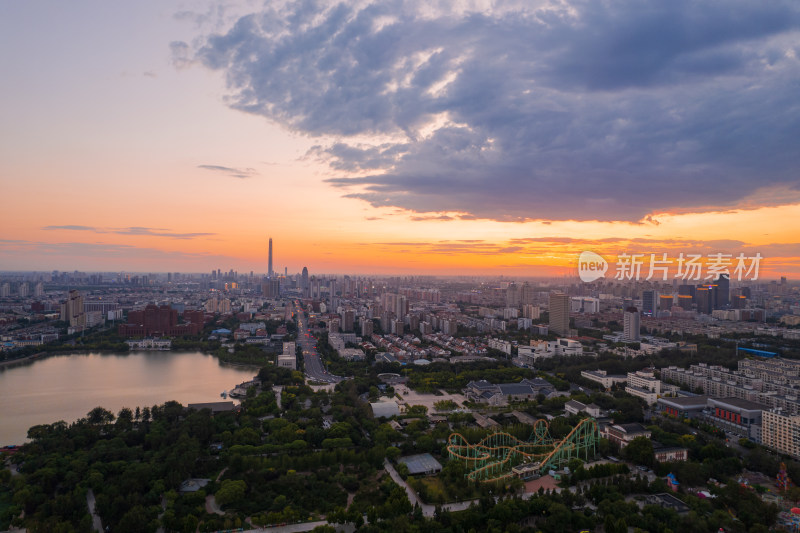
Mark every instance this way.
x=149 y=344
x=603 y=378
x=498 y=344
x=643 y=384
x=584 y=304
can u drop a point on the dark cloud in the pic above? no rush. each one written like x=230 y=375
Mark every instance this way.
x=579 y=110
x=240 y=173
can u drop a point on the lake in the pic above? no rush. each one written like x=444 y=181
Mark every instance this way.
x=66 y=387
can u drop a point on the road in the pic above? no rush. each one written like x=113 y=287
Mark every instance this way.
x=315 y=369
x=289 y=528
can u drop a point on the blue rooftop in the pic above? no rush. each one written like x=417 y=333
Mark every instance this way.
x=760 y=353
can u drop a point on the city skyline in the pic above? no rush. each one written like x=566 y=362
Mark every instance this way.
x=397 y=139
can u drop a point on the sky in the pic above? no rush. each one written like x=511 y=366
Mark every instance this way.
x=397 y=137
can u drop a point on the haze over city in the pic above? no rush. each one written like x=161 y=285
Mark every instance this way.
x=396 y=138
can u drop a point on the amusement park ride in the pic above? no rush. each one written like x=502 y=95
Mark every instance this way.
x=501 y=455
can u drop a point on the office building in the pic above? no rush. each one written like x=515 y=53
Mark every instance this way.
x=559 y=313
x=704 y=299
x=649 y=299
x=723 y=292
x=304 y=282
x=288 y=359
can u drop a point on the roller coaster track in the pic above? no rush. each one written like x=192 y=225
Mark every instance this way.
x=494 y=457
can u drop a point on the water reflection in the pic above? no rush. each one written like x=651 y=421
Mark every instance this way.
x=66 y=387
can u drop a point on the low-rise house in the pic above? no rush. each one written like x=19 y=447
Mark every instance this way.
x=623 y=434
x=500 y=394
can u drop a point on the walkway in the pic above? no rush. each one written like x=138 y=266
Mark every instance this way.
x=97 y=524
x=427 y=509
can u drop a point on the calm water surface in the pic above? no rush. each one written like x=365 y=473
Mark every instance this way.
x=66 y=387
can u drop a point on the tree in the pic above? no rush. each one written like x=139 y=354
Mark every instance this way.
x=640 y=451
x=392 y=453
x=231 y=492
x=98 y=416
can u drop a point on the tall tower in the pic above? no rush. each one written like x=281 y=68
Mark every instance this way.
x=269 y=268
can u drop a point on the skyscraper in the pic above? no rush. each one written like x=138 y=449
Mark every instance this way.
x=722 y=298
x=559 y=313
x=304 y=281
x=649 y=299
x=704 y=299
x=269 y=268
x=630 y=332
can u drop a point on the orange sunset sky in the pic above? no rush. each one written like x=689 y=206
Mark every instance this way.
x=395 y=139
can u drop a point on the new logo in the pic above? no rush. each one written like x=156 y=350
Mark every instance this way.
x=591 y=266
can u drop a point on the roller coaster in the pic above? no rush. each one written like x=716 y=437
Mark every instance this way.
x=501 y=455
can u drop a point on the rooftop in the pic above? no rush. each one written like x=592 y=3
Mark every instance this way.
x=421 y=464
x=685 y=402
x=738 y=402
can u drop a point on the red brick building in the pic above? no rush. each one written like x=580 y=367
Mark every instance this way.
x=155 y=321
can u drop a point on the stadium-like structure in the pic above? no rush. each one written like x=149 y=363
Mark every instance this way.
x=501 y=455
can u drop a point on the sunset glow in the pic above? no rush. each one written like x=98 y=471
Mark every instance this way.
x=139 y=142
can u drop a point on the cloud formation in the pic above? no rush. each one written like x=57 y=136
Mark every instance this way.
x=134 y=230
x=240 y=173
x=576 y=109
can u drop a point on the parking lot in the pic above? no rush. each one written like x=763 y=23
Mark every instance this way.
x=411 y=397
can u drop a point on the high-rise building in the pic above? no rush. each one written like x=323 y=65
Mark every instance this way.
x=304 y=281
x=271 y=288
x=781 y=432
x=631 y=325
x=530 y=311
x=649 y=299
x=72 y=310
x=526 y=294
x=722 y=296
x=704 y=299
x=366 y=327
x=269 y=266
x=559 y=313
x=512 y=295
x=348 y=320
